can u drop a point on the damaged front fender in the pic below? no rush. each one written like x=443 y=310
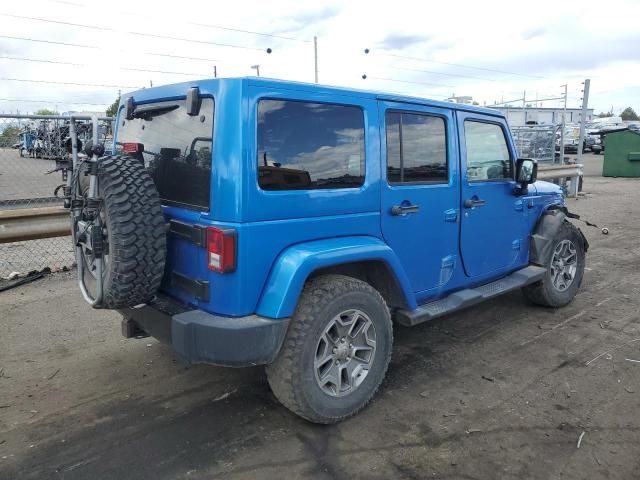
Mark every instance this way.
x=546 y=229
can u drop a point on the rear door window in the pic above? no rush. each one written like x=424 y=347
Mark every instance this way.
x=416 y=148
x=177 y=149
x=305 y=145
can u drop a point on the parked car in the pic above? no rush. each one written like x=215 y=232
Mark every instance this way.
x=259 y=222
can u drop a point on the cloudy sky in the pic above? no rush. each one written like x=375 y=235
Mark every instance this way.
x=77 y=54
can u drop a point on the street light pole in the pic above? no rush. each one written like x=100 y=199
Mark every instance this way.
x=257 y=69
x=315 y=56
x=583 y=117
x=564 y=116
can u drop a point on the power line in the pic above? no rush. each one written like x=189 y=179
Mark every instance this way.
x=131 y=32
x=206 y=25
x=201 y=59
x=52 y=102
x=190 y=40
x=67 y=83
x=484 y=79
x=57 y=62
x=50 y=41
x=164 y=71
x=412 y=94
x=79 y=45
x=472 y=67
x=365 y=76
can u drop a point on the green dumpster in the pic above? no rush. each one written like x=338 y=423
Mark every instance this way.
x=622 y=154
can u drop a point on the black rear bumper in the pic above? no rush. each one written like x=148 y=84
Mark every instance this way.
x=201 y=337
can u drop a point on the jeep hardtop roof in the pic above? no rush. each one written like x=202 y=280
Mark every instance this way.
x=179 y=89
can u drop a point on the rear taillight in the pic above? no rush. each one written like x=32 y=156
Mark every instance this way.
x=132 y=147
x=221 y=249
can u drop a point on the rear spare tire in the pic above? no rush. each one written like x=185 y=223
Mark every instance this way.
x=133 y=240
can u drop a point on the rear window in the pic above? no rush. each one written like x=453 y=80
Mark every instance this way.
x=177 y=149
x=416 y=148
x=305 y=145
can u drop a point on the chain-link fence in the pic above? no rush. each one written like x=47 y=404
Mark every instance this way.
x=29 y=149
x=536 y=141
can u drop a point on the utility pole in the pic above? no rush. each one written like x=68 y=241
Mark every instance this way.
x=315 y=56
x=524 y=119
x=583 y=116
x=564 y=115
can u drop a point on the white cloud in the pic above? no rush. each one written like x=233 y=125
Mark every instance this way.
x=548 y=43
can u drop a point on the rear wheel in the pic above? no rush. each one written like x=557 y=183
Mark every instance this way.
x=127 y=232
x=565 y=269
x=336 y=351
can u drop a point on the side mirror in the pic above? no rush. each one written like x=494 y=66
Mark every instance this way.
x=130 y=106
x=193 y=101
x=526 y=173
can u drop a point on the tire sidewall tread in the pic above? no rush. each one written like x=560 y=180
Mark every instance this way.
x=136 y=232
x=292 y=377
x=543 y=292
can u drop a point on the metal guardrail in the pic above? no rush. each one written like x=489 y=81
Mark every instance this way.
x=549 y=172
x=571 y=171
x=24 y=224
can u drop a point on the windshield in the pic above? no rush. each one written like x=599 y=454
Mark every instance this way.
x=176 y=149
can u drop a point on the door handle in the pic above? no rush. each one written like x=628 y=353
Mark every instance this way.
x=404 y=209
x=474 y=202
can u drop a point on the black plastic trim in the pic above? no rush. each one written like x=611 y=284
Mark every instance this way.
x=197 y=288
x=201 y=337
x=196 y=234
x=469 y=296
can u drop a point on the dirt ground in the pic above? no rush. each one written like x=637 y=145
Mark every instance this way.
x=503 y=390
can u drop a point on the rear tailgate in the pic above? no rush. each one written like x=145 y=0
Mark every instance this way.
x=176 y=147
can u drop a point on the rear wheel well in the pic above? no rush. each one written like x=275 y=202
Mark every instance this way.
x=376 y=273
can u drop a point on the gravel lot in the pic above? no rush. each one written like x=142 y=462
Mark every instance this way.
x=503 y=390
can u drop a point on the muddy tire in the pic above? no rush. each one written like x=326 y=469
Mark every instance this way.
x=565 y=270
x=135 y=240
x=336 y=351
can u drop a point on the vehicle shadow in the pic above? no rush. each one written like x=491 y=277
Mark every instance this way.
x=227 y=422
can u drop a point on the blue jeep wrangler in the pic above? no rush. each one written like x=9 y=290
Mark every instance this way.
x=260 y=222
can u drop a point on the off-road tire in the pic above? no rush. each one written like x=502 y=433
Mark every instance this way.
x=136 y=232
x=292 y=376
x=543 y=292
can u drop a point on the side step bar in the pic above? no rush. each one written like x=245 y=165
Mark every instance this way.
x=470 y=296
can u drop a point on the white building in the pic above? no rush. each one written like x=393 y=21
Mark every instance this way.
x=542 y=115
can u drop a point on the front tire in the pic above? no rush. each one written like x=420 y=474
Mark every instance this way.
x=565 y=270
x=336 y=351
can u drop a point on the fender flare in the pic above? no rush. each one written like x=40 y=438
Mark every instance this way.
x=294 y=265
x=548 y=225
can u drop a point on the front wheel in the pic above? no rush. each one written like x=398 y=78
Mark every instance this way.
x=565 y=269
x=336 y=352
